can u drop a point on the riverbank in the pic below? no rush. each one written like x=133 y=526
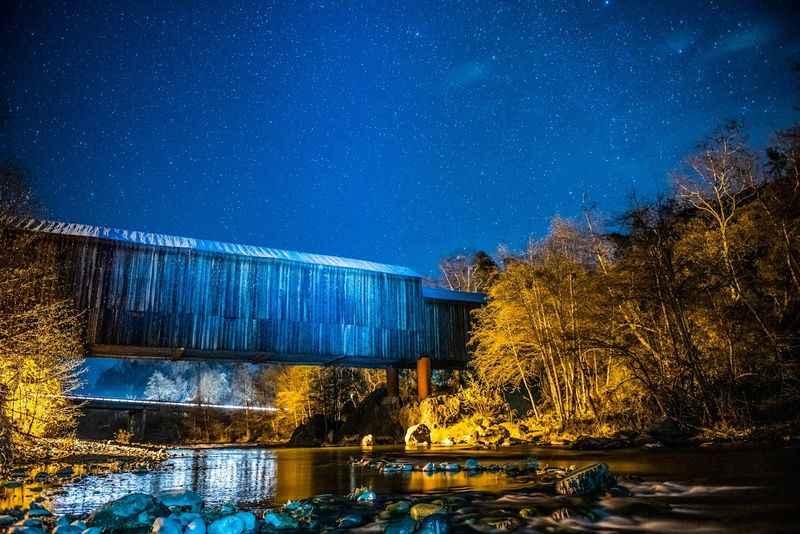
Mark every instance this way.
x=35 y=451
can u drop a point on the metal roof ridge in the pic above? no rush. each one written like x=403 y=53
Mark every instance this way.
x=203 y=245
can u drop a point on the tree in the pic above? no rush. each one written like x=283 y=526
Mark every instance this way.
x=539 y=329
x=40 y=331
x=159 y=387
x=463 y=273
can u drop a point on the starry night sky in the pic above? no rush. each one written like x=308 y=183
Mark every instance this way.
x=396 y=132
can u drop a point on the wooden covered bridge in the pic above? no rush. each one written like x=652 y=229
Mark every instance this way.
x=149 y=295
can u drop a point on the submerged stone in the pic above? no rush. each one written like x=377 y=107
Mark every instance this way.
x=590 y=479
x=422 y=510
x=472 y=464
x=6 y=520
x=136 y=510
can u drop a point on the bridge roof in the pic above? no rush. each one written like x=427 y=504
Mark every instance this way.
x=202 y=245
x=440 y=293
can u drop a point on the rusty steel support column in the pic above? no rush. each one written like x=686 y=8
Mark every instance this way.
x=423 y=377
x=392 y=382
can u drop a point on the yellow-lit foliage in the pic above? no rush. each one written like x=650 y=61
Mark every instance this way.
x=40 y=341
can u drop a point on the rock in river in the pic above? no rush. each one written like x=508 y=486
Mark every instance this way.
x=434 y=524
x=422 y=510
x=418 y=435
x=229 y=524
x=403 y=526
x=248 y=520
x=588 y=480
x=181 y=501
x=279 y=520
x=196 y=526
x=37 y=510
x=166 y=525
x=472 y=464
x=136 y=510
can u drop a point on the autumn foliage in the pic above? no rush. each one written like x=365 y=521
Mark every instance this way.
x=690 y=309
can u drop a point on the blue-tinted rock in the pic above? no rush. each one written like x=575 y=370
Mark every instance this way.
x=136 y=510
x=472 y=464
x=19 y=529
x=278 y=520
x=366 y=496
x=6 y=520
x=398 y=508
x=195 y=526
x=92 y=530
x=248 y=519
x=180 y=500
x=166 y=525
x=403 y=526
x=37 y=510
x=429 y=467
x=67 y=529
x=350 y=520
x=434 y=524
x=229 y=524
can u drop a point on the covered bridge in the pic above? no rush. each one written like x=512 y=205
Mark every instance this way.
x=160 y=296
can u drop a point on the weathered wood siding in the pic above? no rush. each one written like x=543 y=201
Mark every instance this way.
x=153 y=291
x=156 y=297
x=447 y=330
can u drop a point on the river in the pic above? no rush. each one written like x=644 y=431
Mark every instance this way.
x=752 y=490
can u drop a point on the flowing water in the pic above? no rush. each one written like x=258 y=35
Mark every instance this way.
x=753 y=490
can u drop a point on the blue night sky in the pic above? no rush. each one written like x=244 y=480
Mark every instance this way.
x=396 y=132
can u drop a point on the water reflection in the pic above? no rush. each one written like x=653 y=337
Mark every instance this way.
x=751 y=487
x=220 y=475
